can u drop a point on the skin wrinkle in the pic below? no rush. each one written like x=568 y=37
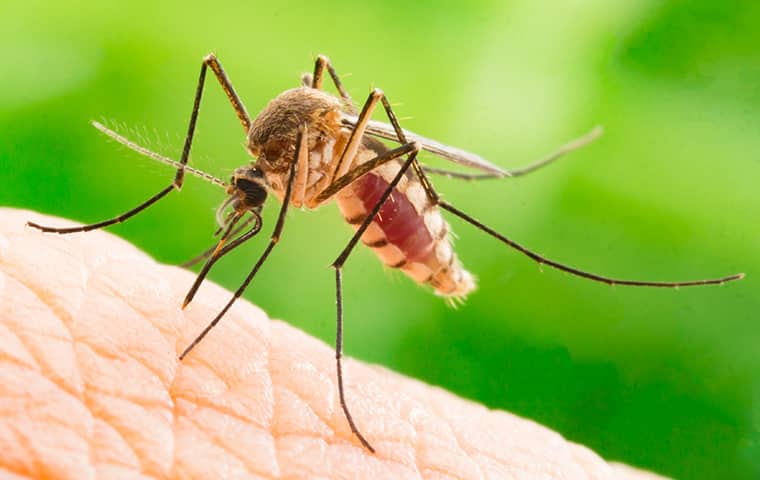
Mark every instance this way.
x=195 y=403
x=464 y=451
x=87 y=392
x=12 y=474
x=222 y=410
x=269 y=367
x=302 y=401
x=220 y=443
x=124 y=441
x=458 y=444
x=71 y=389
x=45 y=302
x=28 y=444
x=174 y=426
x=21 y=433
x=98 y=414
x=28 y=360
x=136 y=348
x=104 y=430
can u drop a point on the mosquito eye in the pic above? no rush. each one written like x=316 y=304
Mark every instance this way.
x=255 y=193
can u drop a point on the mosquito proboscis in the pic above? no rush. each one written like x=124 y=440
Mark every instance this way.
x=312 y=147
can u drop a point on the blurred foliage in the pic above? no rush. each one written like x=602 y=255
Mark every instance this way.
x=667 y=380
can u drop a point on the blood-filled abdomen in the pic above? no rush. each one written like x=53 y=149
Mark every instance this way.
x=408 y=232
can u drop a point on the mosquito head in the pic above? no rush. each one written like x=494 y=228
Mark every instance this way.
x=248 y=188
x=247 y=192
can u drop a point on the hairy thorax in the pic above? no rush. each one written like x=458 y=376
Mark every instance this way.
x=272 y=139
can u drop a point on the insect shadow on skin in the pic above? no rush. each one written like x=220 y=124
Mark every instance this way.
x=312 y=147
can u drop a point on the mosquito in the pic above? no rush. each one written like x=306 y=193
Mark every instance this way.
x=311 y=147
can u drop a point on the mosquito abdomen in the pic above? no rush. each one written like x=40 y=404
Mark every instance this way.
x=408 y=233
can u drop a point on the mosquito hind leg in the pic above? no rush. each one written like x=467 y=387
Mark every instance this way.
x=541 y=260
x=570 y=146
x=436 y=200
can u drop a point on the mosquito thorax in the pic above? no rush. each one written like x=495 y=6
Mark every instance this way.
x=271 y=138
x=250 y=187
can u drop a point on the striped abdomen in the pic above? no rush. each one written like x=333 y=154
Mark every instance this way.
x=408 y=233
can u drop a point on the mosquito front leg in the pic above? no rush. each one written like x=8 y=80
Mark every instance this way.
x=212 y=62
x=179 y=177
x=302 y=173
x=208 y=252
x=301 y=166
x=221 y=249
x=273 y=240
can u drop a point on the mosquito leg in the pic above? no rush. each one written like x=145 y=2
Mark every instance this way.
x=460 y=175
x=220 y=250
x=436 y=200
x=207 y=253
x=338 y=265
x=302 y=173
x=273 y=240
x=532 y=167
x=402 y=139
x=577 y=272
x=179 y=177
x=343 y=164
x=212 y=62
x=232 y=221
x=365 y=168
x=541 y=260
x=356 y=135
x=320 y=65
x=93 y=226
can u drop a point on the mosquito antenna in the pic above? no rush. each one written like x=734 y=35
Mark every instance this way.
x=155 y=156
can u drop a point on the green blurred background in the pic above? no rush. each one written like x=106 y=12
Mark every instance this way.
x=667 y=380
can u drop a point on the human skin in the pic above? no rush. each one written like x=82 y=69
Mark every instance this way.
x=91 y=386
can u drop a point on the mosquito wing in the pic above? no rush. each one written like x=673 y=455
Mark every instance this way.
x=461 y=157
